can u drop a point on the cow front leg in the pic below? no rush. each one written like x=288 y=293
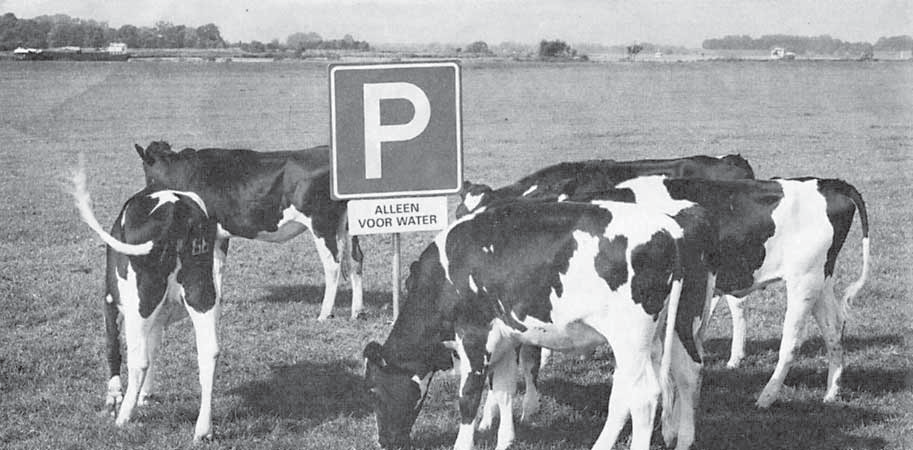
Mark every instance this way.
x=530 y=359
x=331 y=271
x=739 y=325
x=356 y=267
x=205 y=326
x=503 y=388
x=471 y=350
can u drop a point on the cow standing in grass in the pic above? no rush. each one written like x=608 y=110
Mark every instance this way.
x=267 y=196
x=556 y=275
x=159 y=270
x=788 y=230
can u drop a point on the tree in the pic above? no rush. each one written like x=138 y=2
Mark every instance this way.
x=479 y=47
x=554 y=49
x=209 y=36
x=632 y=50
x=303 y=40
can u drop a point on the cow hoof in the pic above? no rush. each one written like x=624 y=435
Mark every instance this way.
x=360 y=316
x=733 y=363
x=323 y=318
x=764 y=401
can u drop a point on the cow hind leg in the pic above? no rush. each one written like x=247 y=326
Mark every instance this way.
x=136 y=331
x=114 y=395
x=678 y=426
x=205 y=326
x=153 y=343
x=799 y=302
x=830 y=317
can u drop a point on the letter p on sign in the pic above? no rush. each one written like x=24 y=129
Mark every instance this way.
x=395 y=129
x=376 y=133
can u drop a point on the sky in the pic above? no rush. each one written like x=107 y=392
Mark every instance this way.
x=611 y=22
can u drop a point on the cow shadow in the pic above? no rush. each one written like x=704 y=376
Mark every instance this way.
x=727 y=417
x=303 y=396
x=718 y=349
x=313 y=295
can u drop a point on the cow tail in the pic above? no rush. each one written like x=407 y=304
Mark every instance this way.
x=84 y=205
x=853 y=289
x=665 y=368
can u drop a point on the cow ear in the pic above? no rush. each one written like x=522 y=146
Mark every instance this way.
x=374 y=353
x=142 y=154
x=466 y=185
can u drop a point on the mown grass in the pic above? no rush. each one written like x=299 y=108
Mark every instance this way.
x=287 y=381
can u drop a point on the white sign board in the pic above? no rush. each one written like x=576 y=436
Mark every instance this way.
x=397 y=215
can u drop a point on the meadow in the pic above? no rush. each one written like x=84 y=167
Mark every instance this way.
x=285 y=380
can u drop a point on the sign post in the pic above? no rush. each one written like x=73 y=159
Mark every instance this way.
x=396 y=147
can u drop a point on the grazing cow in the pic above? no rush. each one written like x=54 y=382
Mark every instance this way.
x=159 y=270
x=271 y=196
x=538 y=274
x=569 y=178
x=788 y=230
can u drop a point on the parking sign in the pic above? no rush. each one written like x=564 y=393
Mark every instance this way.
x=395 y=129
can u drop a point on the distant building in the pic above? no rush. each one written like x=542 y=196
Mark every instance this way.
x=781 y=53
x=117 y=48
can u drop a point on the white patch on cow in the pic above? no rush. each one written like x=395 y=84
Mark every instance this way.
x=488 y=248
x=471 y=201
x=109 y=299
x=163 y=197
x=650 y=191
x=472 y=285
x=530 y=190
x=562 y=197
x=802 y=234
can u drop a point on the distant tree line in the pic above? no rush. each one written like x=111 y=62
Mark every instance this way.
x=819 y=45
x=61 y=30
x=301 y=42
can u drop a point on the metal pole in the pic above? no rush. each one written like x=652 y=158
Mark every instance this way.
x=396 y=276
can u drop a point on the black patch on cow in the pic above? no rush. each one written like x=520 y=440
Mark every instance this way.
x=654 y=266
x=842 y=201
x=743 y=211
x=611 y=263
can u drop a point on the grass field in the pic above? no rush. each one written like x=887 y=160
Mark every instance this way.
x=286 y=381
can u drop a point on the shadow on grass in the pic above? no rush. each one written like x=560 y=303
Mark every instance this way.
x=727 y=417
x=718 y=349
x=305 y=395
x=314 y=295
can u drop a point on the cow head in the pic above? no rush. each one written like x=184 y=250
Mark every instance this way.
x=396 y=396
x=473 y=196
x=740 y=169
x=157 y=161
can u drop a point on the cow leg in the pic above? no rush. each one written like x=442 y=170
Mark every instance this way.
x=530 y=358
x=153 y=343
x=489 y=412
x=205 y=327
x=799 y=302
x=331 y=271
x=350 y=252
x=686 y=373
x=503 y=388
x=219 y=257
x=136 y=332
x=114 y=395
x=635 y=389
x=831 y=319
x=739 y=325
x=472 y=382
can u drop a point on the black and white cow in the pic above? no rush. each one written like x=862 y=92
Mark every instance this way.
x=569 y=178
x=268 y=196
x=540 y=274
x=788 y=230
x=159 y=270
